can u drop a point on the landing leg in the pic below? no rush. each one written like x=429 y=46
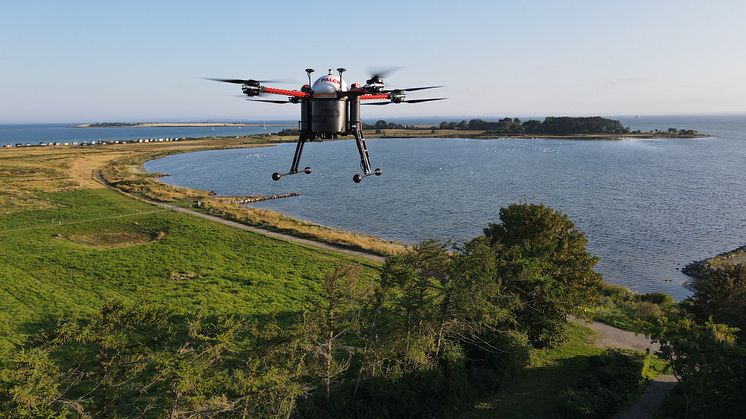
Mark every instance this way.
x=364 y=157
x=296 y=160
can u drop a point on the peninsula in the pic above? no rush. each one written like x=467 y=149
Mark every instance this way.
x=176 y=124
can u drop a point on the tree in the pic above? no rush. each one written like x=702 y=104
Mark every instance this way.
x=335 y=314
x=542 y=260
x=721 y=294
x=709 y=365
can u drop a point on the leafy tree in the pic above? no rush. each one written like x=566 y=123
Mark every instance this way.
x=335 y=315
x=542 y=260
x=710 y=366
x=139 y=360
x=721 y=294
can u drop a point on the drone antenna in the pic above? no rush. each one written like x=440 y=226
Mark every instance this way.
x=308 y=73
x=341 y=70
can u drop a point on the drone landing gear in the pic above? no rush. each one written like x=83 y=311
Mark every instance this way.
x=364 y=158
x=296 y=161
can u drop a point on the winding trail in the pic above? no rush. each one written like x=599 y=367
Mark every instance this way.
x=256 y=230
x=611 y=337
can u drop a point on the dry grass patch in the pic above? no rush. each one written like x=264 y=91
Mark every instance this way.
x=114 y=239
x=276 y=221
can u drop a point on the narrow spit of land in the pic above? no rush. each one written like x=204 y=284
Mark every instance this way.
x=176 y=125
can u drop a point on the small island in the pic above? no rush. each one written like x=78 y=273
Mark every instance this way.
x=564 y=127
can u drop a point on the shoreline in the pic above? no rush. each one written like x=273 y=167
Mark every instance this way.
x=484 y=135
x=177 y=125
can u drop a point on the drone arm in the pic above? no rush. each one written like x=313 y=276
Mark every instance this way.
x=285 y=92
x=376 y=96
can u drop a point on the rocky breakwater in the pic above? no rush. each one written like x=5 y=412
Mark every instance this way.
x=730 y=258
x=248 y=199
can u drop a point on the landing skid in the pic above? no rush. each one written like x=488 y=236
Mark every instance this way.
x=362 y=148
x=296 y=160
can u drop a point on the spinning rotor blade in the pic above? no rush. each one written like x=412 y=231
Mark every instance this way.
x=281 y=102
x=380 y=73
x=405 y=101
x=411 y=89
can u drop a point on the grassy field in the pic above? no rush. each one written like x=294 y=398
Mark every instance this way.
x=27 y=172
x=91 y=245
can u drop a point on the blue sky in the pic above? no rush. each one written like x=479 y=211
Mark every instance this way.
x=66 y=61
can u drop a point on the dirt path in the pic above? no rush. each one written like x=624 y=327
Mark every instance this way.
x=611 y=337
x=650 y=400
x=267 y=233
x=656 y=391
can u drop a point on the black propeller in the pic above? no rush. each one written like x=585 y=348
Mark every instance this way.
x=405 y=101
x=411 y=89
x=242 y=81
x=281 y=102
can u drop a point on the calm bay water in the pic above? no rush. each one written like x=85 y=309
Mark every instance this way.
x=34 y=133
x=648 y=207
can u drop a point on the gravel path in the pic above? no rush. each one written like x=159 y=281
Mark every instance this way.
x=611 y=337
x=263 y=232
x=656 y=391
x=650 y=400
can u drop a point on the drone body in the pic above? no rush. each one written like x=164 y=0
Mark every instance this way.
x=329 y=109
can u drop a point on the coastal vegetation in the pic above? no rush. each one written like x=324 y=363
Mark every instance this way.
x=113 y=307
x=194 y=318
x=703 y=340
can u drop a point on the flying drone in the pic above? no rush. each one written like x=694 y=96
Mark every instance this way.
x=329 y=109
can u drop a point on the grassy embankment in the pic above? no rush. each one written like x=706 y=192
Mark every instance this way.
x=127 y=174
x=68 y=244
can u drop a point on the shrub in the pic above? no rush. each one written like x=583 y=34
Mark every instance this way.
x=656 y=298
x=613 y=375
x=647 y=311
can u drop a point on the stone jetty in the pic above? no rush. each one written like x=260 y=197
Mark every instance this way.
x=256 y=198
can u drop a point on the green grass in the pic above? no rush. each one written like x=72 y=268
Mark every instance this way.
x=533 y=393
x=67 y=261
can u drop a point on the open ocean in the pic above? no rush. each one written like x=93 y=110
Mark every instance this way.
x=648 y=207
